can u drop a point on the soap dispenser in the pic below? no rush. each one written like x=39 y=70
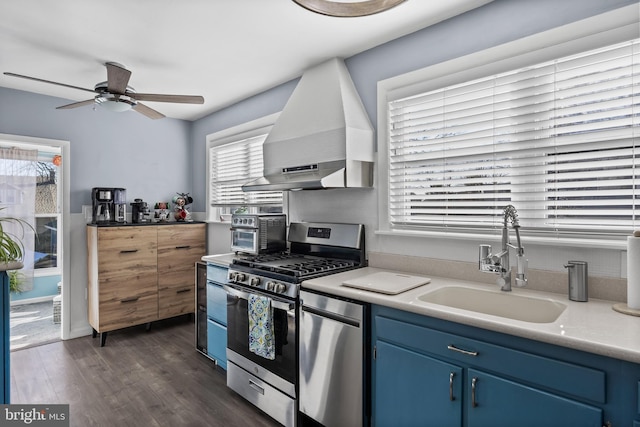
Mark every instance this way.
x=578 y=280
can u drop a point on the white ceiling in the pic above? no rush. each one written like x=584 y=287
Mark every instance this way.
x=224 y=50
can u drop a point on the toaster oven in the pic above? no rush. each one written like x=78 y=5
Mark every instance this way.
x=258 y=233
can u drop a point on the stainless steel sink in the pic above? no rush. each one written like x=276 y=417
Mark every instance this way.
x=502 y=304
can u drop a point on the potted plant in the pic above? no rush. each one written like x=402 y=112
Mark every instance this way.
x=11 y=247
x=16 y=279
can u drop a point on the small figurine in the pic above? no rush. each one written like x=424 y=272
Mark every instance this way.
x=181 y=201
x=161 y=211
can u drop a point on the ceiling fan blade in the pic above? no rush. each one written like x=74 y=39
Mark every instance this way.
x=154 y=97
x=76 y=104
x=117 y=78
x=49 y=81
x=149 y=112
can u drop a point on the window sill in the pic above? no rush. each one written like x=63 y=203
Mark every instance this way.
x=611 y=243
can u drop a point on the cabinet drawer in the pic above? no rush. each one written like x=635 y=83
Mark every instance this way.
x=123 y=252
x=217 y=342
x=176 y=300
x=115 y=240
x=127 y=312
x=218 y=274
x=557 y=375
x=179 y=267
x=127 y=287
x=170 y=236
x=217 y=303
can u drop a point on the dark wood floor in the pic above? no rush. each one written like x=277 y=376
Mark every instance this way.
x=139 y=378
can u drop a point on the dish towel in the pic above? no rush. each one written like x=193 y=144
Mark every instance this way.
x=261 y=340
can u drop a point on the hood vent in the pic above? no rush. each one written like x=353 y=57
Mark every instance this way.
x=323 y=137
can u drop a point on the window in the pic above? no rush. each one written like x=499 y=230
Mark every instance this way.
x=559 y=140
x=234 y=160
x=46 y=212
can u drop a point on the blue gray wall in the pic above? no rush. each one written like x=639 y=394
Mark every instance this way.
x=150 y=158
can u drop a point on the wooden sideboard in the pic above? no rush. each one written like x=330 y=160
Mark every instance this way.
x=141 y=273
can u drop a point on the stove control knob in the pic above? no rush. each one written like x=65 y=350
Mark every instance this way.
x=271 y=285
x=240 y=277
x=232 y=276
x=255 y=281
x=280 y=288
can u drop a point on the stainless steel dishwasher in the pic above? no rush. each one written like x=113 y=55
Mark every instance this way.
x=332 y=384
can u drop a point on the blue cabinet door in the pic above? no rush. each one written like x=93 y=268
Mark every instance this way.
x=216 y=303
x=217 y=342
x=494 y=401
x=411 y=389
x=5 y=377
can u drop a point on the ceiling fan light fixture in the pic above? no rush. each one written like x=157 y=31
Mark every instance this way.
x=348 y=9
x=115 y=103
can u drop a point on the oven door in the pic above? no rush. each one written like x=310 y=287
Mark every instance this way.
x=244 y=240
x=284 y=327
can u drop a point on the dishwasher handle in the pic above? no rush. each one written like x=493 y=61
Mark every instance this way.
x=329 y=315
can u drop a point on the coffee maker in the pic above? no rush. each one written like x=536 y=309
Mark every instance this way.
x=140 y=211
x=109 y=205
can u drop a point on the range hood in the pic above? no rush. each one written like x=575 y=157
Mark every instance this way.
x=323 y=137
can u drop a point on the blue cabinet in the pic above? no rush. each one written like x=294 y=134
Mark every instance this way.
x=415 y=390
x=5 y=376
x=431 y=372
x=217 y=314
x=499 y=402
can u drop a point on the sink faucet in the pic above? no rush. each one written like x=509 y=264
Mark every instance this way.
x=499 y=263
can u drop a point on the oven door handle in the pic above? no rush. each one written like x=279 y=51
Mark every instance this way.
x=278 y=304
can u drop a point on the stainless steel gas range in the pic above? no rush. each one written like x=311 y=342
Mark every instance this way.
x=268 y=378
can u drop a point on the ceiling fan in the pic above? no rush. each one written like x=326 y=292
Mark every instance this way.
x=116 y=95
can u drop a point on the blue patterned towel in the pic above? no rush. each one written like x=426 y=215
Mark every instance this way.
x=261 y=340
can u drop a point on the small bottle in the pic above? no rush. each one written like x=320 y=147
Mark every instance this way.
x=578 y=280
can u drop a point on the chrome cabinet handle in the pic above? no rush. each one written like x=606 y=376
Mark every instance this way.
x=129 y=251
x=256 y=387
x=134 y=299
x=181 y=291
x=474 y=382
x=183 y=247
x=460 y=350
x=451 y=396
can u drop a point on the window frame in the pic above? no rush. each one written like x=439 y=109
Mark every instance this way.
x=606 y=29
x=243 y=131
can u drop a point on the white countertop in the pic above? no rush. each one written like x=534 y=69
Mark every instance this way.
x=591 y=326
x=223 y=260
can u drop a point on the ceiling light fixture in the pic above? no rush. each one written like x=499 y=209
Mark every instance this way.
x=114 y=102
x=348 y=9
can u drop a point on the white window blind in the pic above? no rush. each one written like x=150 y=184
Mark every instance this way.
x=235 y=164
x=558 y=140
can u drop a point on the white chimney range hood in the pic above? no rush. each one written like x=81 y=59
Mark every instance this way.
x=322 y=139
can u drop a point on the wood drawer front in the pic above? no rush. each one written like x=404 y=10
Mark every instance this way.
x=118 y=314
x=177 y=300
x=128 y=286
x=118 y=239
x=565 y=377
x=179 y=260
x=170 y=236
x=134 y=254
